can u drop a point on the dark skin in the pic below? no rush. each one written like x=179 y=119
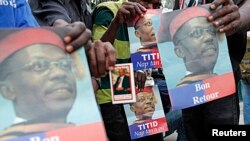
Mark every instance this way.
x=230 y=18
x=79 y=36
x=127 y=11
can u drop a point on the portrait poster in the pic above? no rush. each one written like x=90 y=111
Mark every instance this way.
x=151 y=120
x=143 y=45
x=50 y=95
x=195 y=57
x=122 y=83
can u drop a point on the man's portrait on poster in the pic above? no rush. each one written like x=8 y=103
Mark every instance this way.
x=38 y=78
x=144 y=31
x=122 y=83
x=144 y=107
x=195 y=41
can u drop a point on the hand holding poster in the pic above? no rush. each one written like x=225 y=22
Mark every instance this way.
x=45 y=92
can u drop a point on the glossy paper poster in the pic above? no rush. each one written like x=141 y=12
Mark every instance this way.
x=143 y=45
x=195 y=57
x=49 y=95
x=146 y=116
x=122 y=83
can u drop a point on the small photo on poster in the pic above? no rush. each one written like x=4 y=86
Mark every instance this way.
x=122 y=84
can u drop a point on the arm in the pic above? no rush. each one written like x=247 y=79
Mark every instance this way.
x=126 y=12
x=105 y=28
x=56 y=14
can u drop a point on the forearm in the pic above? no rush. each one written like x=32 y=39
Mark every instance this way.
x=110 y=34
x=244 y=16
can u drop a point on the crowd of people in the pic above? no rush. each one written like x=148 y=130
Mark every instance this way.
x=104 y=35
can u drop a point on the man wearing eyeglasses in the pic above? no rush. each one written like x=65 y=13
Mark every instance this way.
x=196 y=42
x=37 y=76
x=231 y=19
x=145 y=32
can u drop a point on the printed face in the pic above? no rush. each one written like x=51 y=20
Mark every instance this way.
x=121 y=72
x=198 y=45
x=43 y=81
x=145 y=104
x=145 y=30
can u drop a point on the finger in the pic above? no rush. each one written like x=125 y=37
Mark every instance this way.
x=140 y=9
x=139 y=78
x=110 y=56
x=92 y=62
x=125 y=9
x=132 y=11
x=82 y=40
x=231 y=28
x=222 y=12
x=223 y=21
x=143 y=80
x=75 y=30
x=101 y=57
x=136 y=78
x=215 y=4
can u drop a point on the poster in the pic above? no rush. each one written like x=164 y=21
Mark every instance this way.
x=45 y=93
x=194 y=56
x=143 y=45
x=146 y=117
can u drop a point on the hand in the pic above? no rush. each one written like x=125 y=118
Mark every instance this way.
x=128 y=11
x=78 y=36
x=227 y=18
x=101 y=57
x=140 y=79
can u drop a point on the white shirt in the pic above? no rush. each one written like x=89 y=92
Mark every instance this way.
x=120 y=82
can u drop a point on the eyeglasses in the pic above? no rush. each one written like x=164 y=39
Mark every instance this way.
x=148 y=23
x=43 y=65
x=199 y=31
x=147 y=98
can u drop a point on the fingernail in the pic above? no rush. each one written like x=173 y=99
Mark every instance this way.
x=210 y=18
x=221 y=30
x=217 y=23
x=69 y=48
x=67 y=39
x=212 y=6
